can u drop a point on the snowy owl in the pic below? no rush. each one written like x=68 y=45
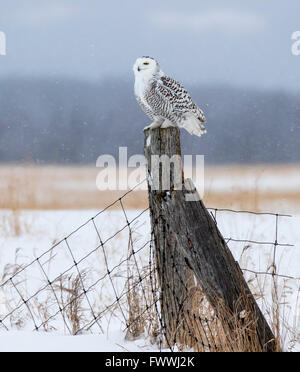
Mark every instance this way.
x=165 y=100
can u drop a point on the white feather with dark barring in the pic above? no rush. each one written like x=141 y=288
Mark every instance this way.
x=164 y=99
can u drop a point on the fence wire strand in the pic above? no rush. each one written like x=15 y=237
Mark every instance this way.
x=135 y=294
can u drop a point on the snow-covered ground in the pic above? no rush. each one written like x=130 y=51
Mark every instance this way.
x=18 y=341
x=40 y=230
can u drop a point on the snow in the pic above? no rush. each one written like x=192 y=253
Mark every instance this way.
x=148 y=142
x=18 y=341
x=39 y=230
x=29 y=341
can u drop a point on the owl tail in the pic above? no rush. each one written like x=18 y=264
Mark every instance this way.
x=193 y=125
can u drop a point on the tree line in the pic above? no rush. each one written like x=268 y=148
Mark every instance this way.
x=73 y=122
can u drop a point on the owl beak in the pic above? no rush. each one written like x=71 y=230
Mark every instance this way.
x=138 y=69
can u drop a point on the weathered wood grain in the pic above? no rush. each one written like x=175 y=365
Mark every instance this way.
x=186 y=237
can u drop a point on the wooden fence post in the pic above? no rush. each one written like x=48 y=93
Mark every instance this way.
x=173 y=288
x=187 y=239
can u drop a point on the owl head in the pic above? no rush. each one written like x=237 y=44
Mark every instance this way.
x=146 y=66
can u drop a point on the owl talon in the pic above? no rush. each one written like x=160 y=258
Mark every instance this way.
x=155 y=124
x=168 y=124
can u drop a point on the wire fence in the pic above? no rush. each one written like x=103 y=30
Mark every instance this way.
x=105 y=270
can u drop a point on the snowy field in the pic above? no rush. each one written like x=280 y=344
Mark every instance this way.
x=40 y=230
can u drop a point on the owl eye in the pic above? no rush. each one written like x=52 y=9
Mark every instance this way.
x=146 y=63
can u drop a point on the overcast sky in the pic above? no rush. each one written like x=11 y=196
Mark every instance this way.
x=195 y=41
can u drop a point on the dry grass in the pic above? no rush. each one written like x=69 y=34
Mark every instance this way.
x=202 y=328
x=198 y=327
x=218 y=330
x=59 y=187
x=141 y=320
x=70 y=289
x=52 y=187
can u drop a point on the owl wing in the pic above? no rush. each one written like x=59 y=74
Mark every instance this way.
x=144 y=107
x=178 y=97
